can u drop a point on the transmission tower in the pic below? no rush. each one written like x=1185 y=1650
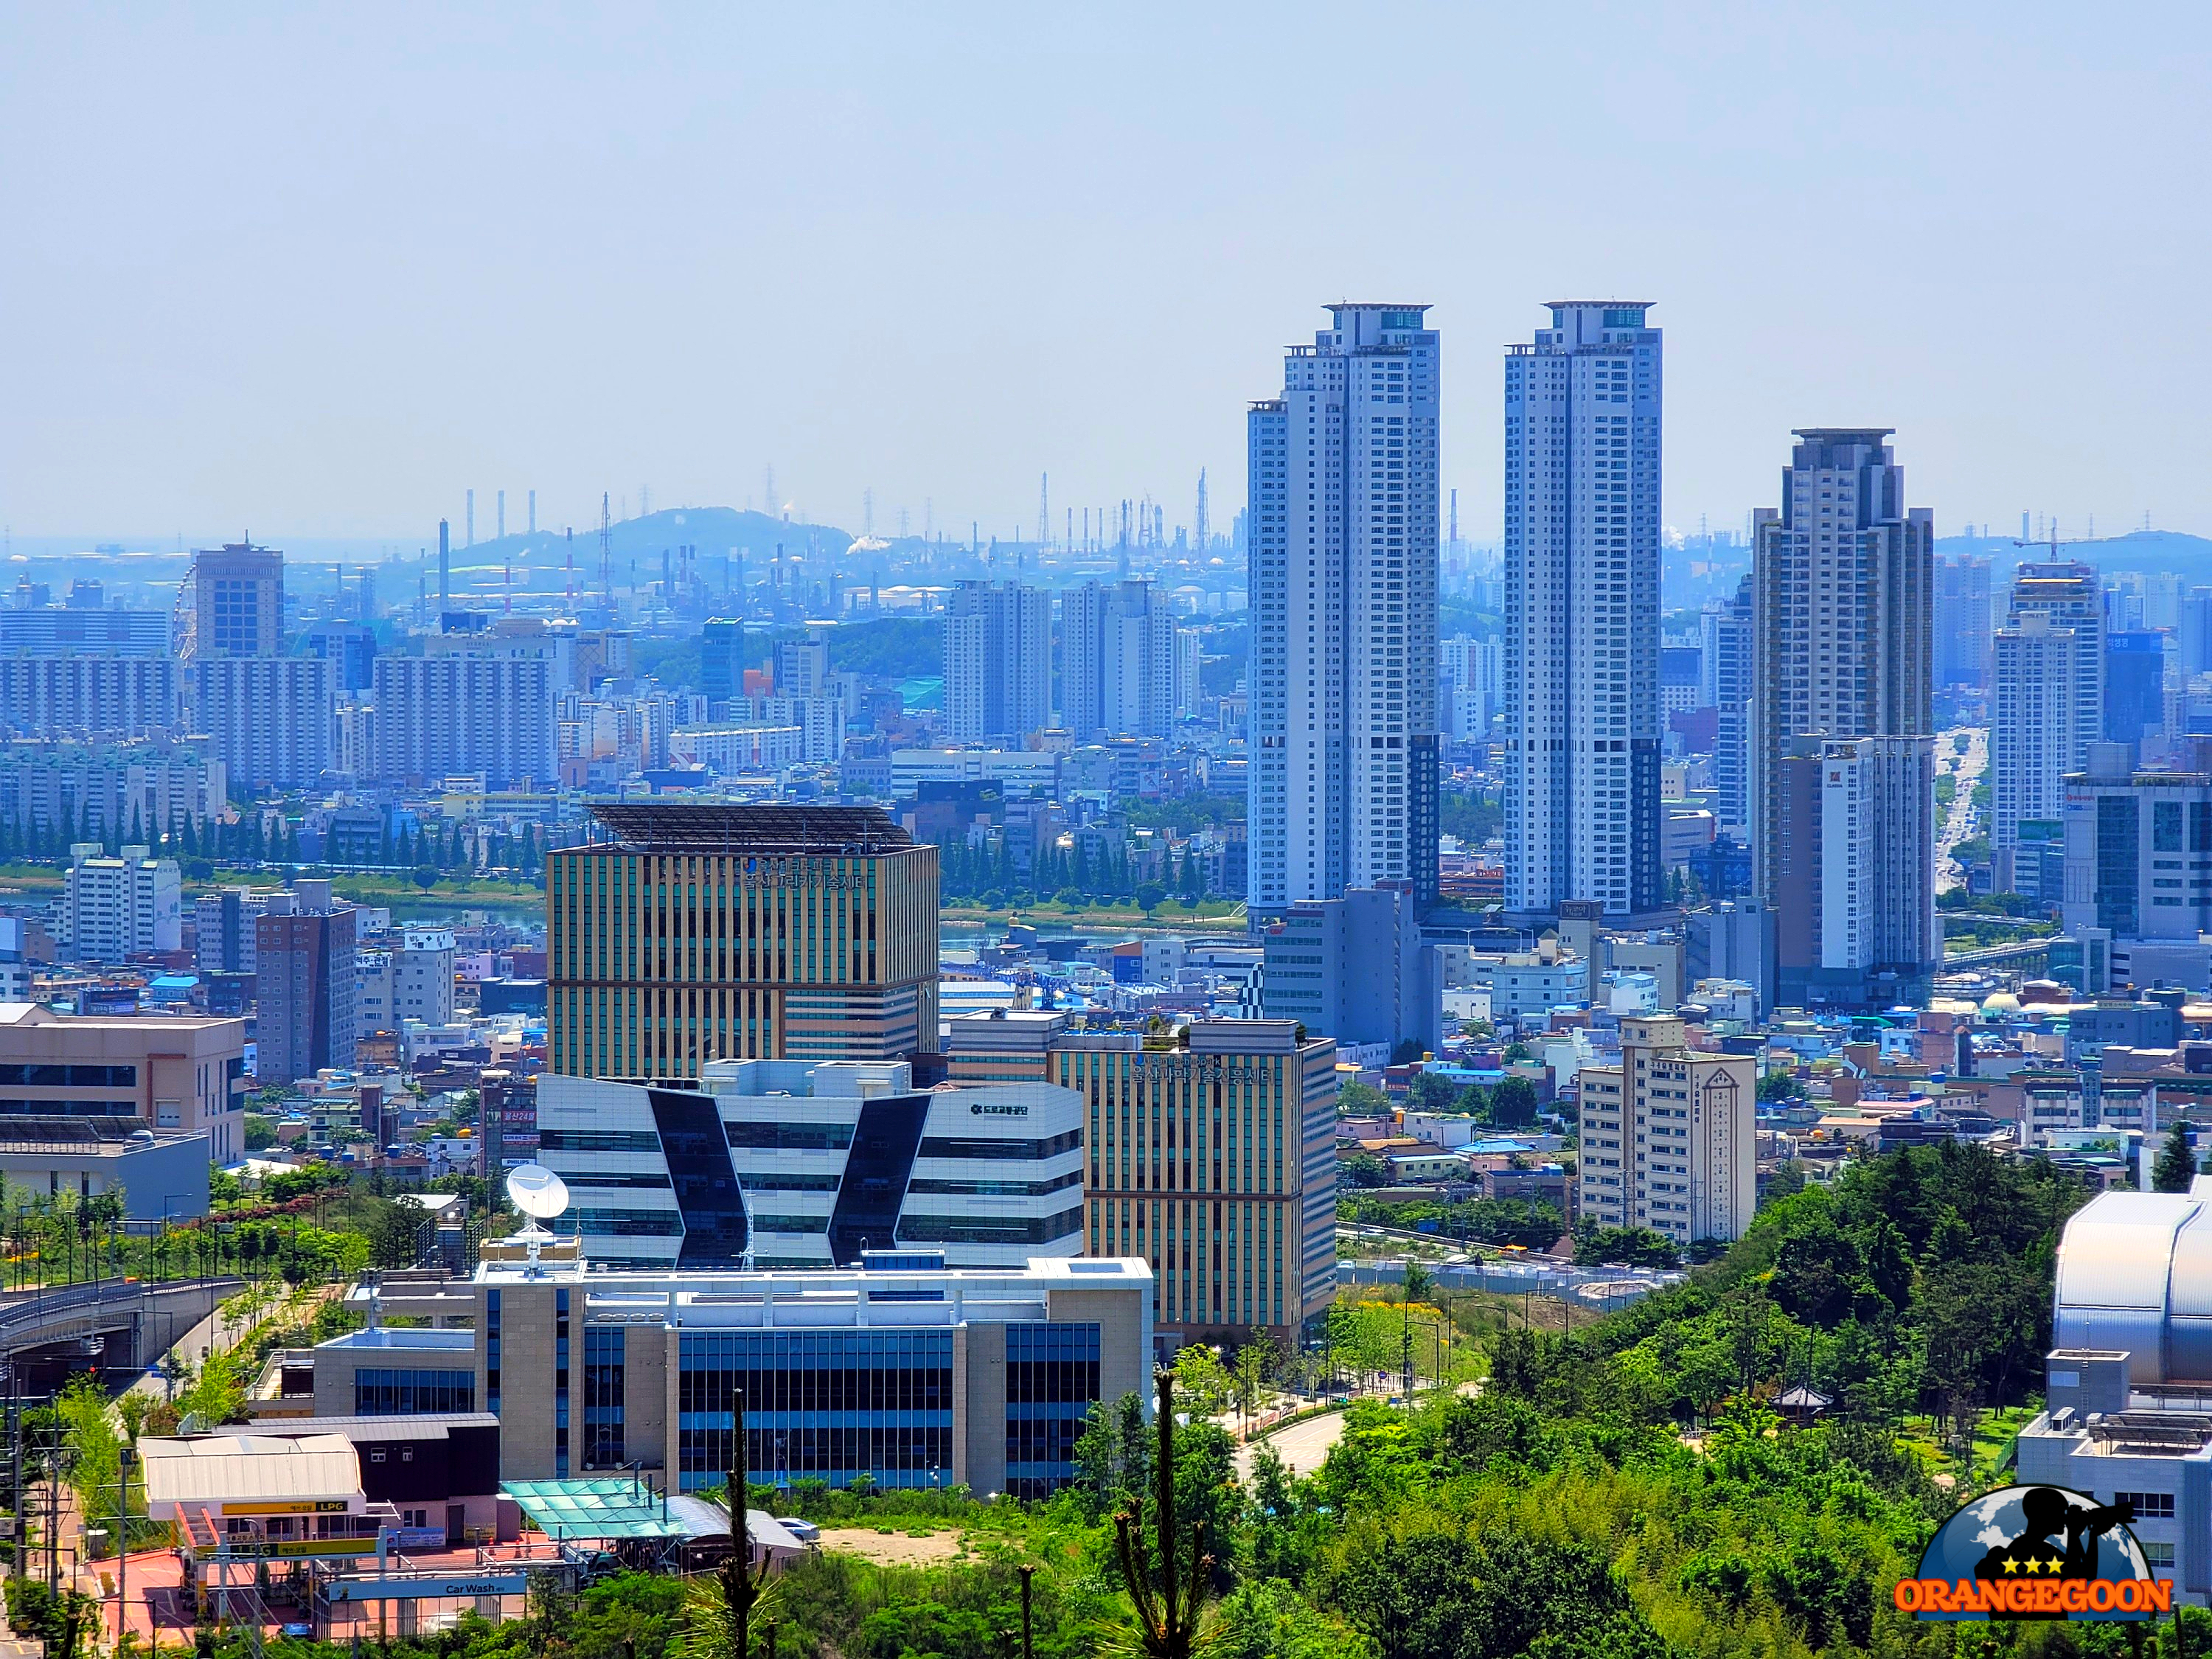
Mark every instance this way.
x=571 y=606
x=1045 y=510
x=606 y=552
x=1198 y=529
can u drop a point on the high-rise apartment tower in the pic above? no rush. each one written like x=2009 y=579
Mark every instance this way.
x=1844 y=831
x=1582 y=406
x=2049 y=696
x=998 y=661
x=1343 y=549
x=1118 y=661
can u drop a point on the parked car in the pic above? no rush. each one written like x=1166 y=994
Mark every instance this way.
x=805 y=1531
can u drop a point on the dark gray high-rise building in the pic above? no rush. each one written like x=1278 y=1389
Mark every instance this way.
x=1844 y=801
x=304 y=984
x=1963 y=618
x=231 y=604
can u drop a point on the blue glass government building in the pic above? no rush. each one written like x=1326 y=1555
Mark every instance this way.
x=900 y=1369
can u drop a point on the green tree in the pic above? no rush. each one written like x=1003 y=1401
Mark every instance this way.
x=1631 y=1247
x=1357 y=1099
x=1204 y=1380
x=395 y=1235
x=2177 y=1165
x=1269 y=1619
x=1513 y=1103
x=1167 y=1588
x=1779 y=1084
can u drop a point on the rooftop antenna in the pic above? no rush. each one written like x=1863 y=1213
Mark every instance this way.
x=538 y=1193
x=606 y=552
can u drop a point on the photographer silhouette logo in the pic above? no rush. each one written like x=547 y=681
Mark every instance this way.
x=2035 y=1552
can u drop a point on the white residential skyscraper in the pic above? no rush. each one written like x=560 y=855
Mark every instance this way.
x=2048 y=705
x=1118 y=660
x=998 y=661
x=1582 y=611
x=1343 y=578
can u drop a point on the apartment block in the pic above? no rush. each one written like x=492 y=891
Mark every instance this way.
x=1668 y=1137
x=116 y=907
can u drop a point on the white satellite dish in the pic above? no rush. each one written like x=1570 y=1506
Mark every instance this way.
x=537 y=1191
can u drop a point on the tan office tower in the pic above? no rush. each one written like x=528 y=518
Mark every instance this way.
x=231 y=604
x=695 y=932
x=1210 y=1153
x=1668 y=1140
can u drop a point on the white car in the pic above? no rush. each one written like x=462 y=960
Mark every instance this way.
x=805 y=1531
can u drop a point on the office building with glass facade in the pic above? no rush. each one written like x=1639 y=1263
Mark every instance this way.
x=831 y=1160
x=692 y=932
x=1210 y=1152
x=903 y=1370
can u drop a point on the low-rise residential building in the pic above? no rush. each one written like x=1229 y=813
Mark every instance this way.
x=114 y=907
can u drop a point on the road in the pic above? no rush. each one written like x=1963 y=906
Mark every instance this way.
x=1304 y=1447
x=1959 y=824
x=193 y=1345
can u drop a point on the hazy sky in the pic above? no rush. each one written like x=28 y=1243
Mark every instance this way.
x=317 y=270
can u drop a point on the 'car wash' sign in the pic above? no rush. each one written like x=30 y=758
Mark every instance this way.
x=429 y=1588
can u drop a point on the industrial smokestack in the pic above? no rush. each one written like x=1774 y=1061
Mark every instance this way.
x=445 y=564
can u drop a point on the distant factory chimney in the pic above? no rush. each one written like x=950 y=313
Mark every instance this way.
x=445 y=564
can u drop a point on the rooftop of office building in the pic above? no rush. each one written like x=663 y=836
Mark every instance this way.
x=724 y=828
x=897 y=1289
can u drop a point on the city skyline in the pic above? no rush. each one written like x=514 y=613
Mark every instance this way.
x=477 y=318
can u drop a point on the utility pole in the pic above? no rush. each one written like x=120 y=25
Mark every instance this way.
x=125 y=1455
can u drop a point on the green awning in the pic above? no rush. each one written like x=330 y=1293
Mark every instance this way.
x=607 y=1508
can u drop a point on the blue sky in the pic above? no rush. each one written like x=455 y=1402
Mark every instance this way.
x=317 y=270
